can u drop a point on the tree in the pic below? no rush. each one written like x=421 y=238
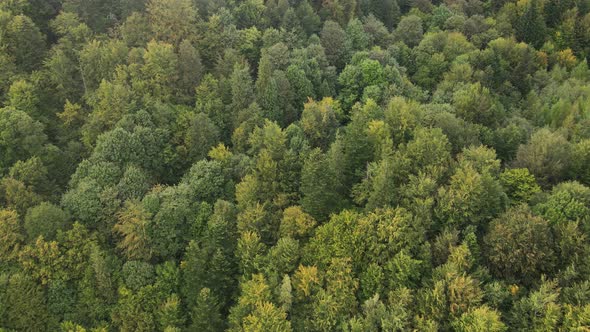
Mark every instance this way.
x=23 y=96
x=357 y=79
x=110 y=102
x=319 y=123
x=267 y=317
x=132 y=226
x=242 y=90
x=546 y=155
x=21 y=137
x=135 y=311
x=99 y=15
x=23 y=41
x=172 y=21
x=160 y=69
x=520 y=184
x=567 y=202
x=137 y=274
x=310 y=21
x=45 y=220
x=99 y=61
x=254 y=310
x=210 y=262
x=208 y=181
x=90 y=204
x=32 y=173
x=333 y=39
x=208 y=101
x=356 y=37
x=10 y=232
x=134 y=184
x=539 y=310
x=201 y=135
x=409 y=30
x=480 y=319
x=474 y=103
x=27 y=310
x=530 y=26
x=387 y=11
x=17 y=195
x=519 y=245
x=250 y=13
x=296 y=223
x=580 y=156
x=470 y=198
x=205 y=315
x=189 y=66
x=319 y=187
x=336 y=303
x=135 y=31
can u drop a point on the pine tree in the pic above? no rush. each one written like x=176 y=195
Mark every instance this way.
x=530 y=26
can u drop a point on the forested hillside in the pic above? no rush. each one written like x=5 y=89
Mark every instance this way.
x=294 y=165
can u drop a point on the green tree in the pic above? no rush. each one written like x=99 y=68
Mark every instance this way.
x=208 y=101
x=242 y=90
x=310 y=21
x=296 y=223
x=250 y=13
x=546 y=155
x=519 y=246
x=99 y=61
x=172 y=21
x=319 y=187
x=205 y=314
x=580 y=156
x=159 y=72
x=387 y=11
x=333 y=39
x=520 y=184
x=201 y=136
x=190 y=67
x=267 y=317
x=132 y=226
x=409 y=30
x=23 y=41
x=23 y=95
x=254 y=310
x=567 y=202
x=356 y=36
x=99 y=15
x=480 y=319
x=209 y=262
x=12 y=237
x=27 y=310
x=530 y=26
x=539 y=311
x=110 y=102
x=475 y=103
x=474 y=195
x=45 y=220
x=21 y=137
x=319 y=123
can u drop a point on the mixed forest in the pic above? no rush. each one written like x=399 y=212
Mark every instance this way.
x=294 y=165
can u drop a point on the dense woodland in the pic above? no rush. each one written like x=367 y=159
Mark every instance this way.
x=294 y=165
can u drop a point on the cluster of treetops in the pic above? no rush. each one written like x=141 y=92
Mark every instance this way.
x=294 y=165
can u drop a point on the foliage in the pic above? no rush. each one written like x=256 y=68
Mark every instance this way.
x=282 y=165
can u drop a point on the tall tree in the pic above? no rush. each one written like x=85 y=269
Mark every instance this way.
x=530 y=26
x=172 y=21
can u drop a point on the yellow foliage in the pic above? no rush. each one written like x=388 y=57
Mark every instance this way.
x=566 y=58
x=220 y=153
x=305 y=278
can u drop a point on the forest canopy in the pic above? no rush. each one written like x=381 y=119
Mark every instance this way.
x=294 y=165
